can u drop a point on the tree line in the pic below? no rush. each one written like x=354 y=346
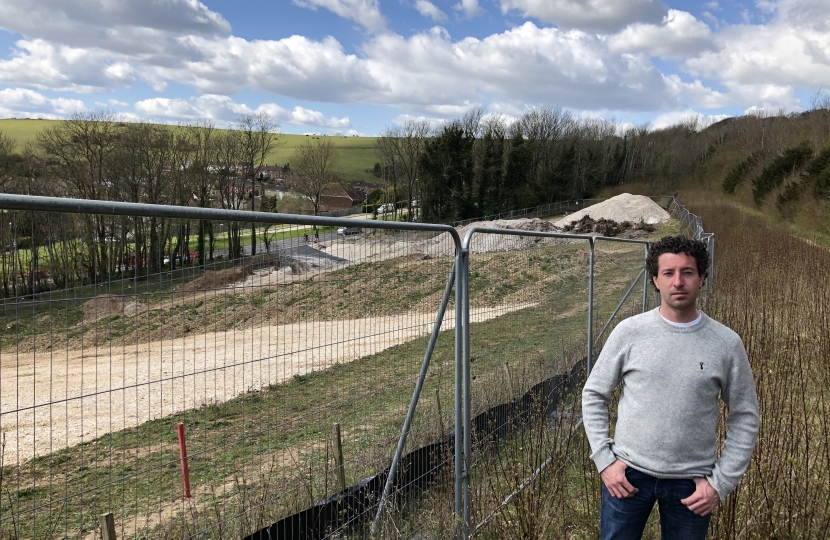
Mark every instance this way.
x=468 y=167
x=482 y=164
x=94 y=155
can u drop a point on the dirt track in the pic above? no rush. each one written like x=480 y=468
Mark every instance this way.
x=97 y=391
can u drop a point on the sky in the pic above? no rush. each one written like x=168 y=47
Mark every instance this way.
x=356 y=67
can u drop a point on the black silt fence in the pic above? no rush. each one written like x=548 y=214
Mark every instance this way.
x=356 y=505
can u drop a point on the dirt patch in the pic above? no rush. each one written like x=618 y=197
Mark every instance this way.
x=218 y=279
x=81 y=395
x=107 y=305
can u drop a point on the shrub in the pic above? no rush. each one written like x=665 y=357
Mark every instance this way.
x=817 y=173
x=773 y=175
x=737 y=175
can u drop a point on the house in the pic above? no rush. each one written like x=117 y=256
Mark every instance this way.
x=336 y=196
x=367 y=187
x=309 y=208
x=274 y=172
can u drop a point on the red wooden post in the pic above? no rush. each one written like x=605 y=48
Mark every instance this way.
x=183 y=455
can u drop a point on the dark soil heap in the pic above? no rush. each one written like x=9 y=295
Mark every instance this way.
x=610 y=228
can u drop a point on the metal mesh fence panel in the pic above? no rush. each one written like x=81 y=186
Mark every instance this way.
x=528 y=366
x=200 y=373
x=193 y=382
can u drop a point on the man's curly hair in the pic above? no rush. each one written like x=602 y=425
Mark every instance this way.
x=678 y=244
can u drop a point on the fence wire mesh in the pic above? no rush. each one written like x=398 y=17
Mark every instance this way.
x=216 y=378
x=288 y=365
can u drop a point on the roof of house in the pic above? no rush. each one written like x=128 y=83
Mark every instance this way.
x=336 y=189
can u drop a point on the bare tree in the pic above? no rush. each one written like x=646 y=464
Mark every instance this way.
x=398 y=149
x=258 y=135
x=230 y=183
x=314 y=161
x=7 y=159
x=79 y=149
x=200 y=142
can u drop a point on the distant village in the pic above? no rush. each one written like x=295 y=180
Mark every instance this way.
x=338 y=197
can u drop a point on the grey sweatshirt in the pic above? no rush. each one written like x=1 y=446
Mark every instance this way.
x=668 y=409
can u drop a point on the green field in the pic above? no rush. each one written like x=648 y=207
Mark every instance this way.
x=355 y=155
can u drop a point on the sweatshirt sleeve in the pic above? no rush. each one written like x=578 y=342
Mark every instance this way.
x=741 y=422
x=604 y=378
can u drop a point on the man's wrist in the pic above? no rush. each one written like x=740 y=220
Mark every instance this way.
x=603 y=458
x=720 y=491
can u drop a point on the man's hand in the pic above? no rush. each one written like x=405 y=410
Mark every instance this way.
x=704 y=499
x=613 y=476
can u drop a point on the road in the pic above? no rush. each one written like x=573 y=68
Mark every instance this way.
x=294 y=247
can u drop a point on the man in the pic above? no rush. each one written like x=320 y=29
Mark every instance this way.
x=673 y=363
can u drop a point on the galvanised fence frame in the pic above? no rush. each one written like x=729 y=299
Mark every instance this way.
x=457 y=283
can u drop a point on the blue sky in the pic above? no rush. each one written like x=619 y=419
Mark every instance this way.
x=358 y=66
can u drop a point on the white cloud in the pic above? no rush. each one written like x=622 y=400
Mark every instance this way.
x=45 y=66
x=427 y=73
x=295 y=66
x=22 y=102
x=469 y=8
x=607 y=15
x=697 y=94
x=679 y=35
x=688 y=116
x=116 y=103
x=430 y=10
x=168 y=108
x=226 y=111
x=803 y=14
x=525 y=64
x=712 y=19
x=766 y=61
x=364 y=12
x=123 y=26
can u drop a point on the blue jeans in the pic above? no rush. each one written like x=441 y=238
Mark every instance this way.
x=625 y=519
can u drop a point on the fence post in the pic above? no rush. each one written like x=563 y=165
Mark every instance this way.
x=340 y=469
x=107 y=523
x=645 y=281
x=589 y=359
x=183 y=458
x=465 y=313
x=509 y=381
x=458 y=509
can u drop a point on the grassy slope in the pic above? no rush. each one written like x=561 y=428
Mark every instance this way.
x=355 y=155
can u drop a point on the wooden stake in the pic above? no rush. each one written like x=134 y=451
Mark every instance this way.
x=183 y=458
x=107 y=523
x=509 y=381
x=340 y=469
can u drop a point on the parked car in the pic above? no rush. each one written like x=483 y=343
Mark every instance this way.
x=347 y=231
x=384 y=208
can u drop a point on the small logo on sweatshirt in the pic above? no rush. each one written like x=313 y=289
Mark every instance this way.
x=701 y=366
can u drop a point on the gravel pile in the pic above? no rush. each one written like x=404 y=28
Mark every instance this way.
x=625 y=207
x=442 y=246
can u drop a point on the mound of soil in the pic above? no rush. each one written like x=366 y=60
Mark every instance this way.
x=625 y=207
x=218 y=279
x=609 y=227
x=106 y=305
